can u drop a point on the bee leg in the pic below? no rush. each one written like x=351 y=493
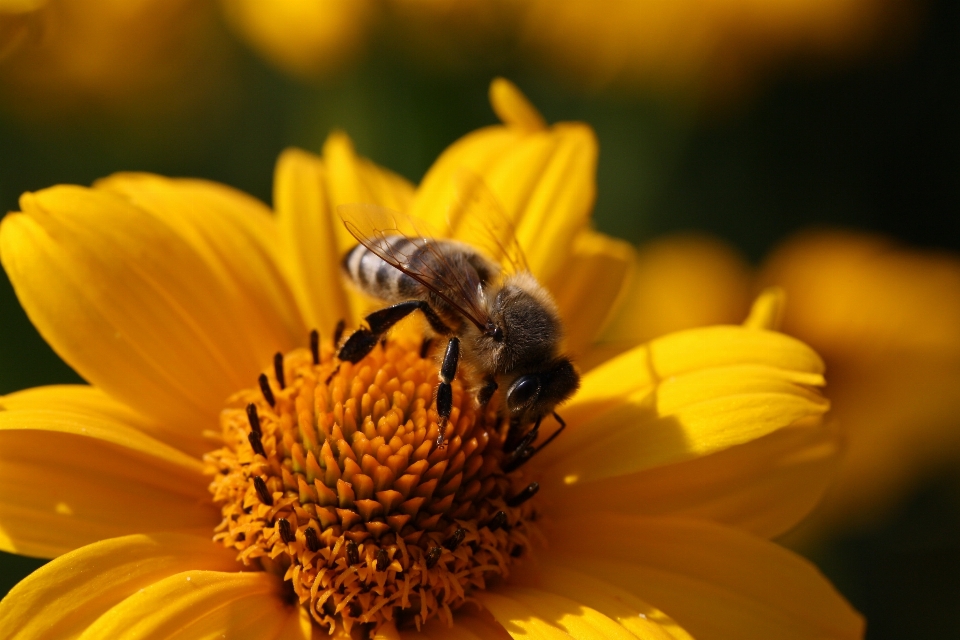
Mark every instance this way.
x=448 y=370
x=486 y=392
x=363 y=340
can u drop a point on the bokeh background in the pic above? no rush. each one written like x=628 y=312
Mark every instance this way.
x=744 y=127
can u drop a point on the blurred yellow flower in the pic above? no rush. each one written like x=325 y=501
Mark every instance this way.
x=885 y=319
x=170 y=296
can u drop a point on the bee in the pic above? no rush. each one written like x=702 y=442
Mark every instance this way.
x=504 y=325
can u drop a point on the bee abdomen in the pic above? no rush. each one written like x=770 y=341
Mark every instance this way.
x=378 y=278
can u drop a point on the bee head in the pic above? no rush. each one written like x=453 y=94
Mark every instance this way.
x=535 y=394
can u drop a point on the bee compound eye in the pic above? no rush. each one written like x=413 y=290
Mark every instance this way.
x=523 y=392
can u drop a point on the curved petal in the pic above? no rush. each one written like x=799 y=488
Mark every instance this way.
x=130 y=304
x=685 y=395
x=64 y=597
x=765 y=486
x=199 y=604
x=91 y=401
x=590 y=285
x=307 y=191
x=68 y=479
x=716 y=582
x=632 y=613
x=544 y=178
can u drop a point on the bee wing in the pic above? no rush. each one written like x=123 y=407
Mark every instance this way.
x=476 y=212
x=421 y=258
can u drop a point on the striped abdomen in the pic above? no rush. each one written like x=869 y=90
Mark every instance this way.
x=380 y=279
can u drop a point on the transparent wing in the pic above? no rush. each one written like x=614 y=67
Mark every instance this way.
x=477 y=214
x=431 y=262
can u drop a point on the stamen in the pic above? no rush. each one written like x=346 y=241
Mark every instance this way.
x=262 y=491
x=253 y=418
x=278 y=370
x=528 y=492
x=266 y=390
x=499 y=519
x=383 y=560
x=315 y=346
x=313 y=542
x=454 y=541
x=338 y=332
x=285 y=533
x=433 y=557
x=256 y=444
x=353 y=553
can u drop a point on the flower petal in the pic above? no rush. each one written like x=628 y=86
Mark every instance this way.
x=64 y=597
x=467 y=625
x=68 y=479
x=543 y=178
x=130 y=304
x=684 y=395
x=716 y=582
x=765 y=486
x=307 y=191
x=590 y=285
x=199 y=604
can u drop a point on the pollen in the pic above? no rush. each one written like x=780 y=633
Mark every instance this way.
x=331 y=476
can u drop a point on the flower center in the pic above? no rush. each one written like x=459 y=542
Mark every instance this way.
x=331 y=476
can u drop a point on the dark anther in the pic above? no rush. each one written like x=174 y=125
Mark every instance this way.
x=278 y=369
x=454 y=541
x=248 y=510
x=286 y=534
x=433 y=556
x=517 y=551
x=330 y=377
x=262 y=491
x=240 y=537
x=338 y=332
x=425 y=347
x=498 y=520
x=517 y=459
x=256 y=444
x=353 y=553
x=266 y=390
x=253 y=418
x=383 y=560
x=315 y=346
x=383 y=342
x=530 y=491
x=313 y=542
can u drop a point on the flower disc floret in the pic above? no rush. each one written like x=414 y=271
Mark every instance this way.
x=331 y=476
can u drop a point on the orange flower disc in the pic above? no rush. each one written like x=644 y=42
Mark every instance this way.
x=331 y=476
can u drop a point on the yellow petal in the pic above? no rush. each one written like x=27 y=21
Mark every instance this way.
x=765 y=486
x=307 y=191
x=91 y=401
x=684 y=395
x=237 y=237
x=590 y=285
x=632 y=613
x=767 y=310
x=68 y=479
x=513 y=108
x=199 y=604
x=681 y=282
x=64 y=597
x=716 y=582
x=131 y=305
x=519 y=620
x=543 y=179
x=467 y=625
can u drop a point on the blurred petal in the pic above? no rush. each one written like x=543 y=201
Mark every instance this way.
x=199 y=604
x=765 y=486
x=307 y=191
x=767 y=310
x=681 y=282
x=685 y=395
x=64 y=597
x=69 y=479
x=590 y=286
x=543 y=178
x=130 y=304
x=716 y=582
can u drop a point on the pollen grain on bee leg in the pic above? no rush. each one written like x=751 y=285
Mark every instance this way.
x=334 y=482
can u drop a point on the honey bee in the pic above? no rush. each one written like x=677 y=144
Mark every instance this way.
x=504 y=325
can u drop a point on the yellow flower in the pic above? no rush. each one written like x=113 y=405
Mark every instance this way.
x=680 y=457
x=885 y=319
